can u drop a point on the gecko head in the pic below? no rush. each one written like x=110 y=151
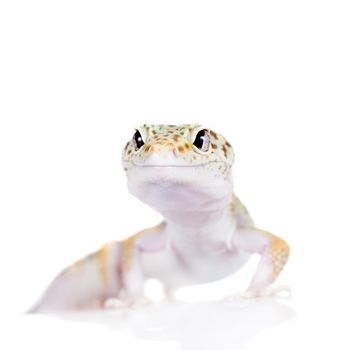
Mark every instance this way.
x=180 y=158
x=189 y=145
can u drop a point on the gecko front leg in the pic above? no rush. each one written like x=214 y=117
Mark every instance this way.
x=274 y=253
x=132 y=272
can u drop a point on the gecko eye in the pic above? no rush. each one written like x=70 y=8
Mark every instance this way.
x=202 y=141
x=137 y=140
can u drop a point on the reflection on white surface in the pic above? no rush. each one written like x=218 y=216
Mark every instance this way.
x=214 y=325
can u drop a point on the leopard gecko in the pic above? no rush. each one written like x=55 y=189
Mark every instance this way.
x=184 y=172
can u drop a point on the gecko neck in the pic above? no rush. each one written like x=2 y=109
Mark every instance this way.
x=188 y=217
x=193 y=214
x=200 y=230
x=189 y=200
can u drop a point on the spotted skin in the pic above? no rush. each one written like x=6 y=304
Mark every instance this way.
x=102 y=257
x=279 y=253
x=183 y=172
x=178 y=139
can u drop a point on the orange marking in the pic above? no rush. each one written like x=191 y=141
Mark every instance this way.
x=181 y=149
x=102 y=261
x=214 y=134
x=279 y=253
x=224 y=148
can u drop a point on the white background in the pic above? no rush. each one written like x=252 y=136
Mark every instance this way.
x=77 y=76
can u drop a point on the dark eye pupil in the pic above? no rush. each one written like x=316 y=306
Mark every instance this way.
x=138 y=140
x=199 y=141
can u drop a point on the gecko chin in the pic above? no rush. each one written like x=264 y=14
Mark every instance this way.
x=180 y=188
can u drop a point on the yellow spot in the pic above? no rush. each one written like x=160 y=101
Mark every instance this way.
x=102 y=261
x=279 y=253
x=181 y=149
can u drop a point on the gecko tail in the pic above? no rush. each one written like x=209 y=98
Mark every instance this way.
x=86 y=284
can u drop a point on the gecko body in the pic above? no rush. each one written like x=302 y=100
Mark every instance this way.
x=185 y=173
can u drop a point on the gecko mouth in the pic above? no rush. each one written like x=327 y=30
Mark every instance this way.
x=168 y=166
x=210 y=172
x=178 y=165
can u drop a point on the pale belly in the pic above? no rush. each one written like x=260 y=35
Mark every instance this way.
x=176 y=270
